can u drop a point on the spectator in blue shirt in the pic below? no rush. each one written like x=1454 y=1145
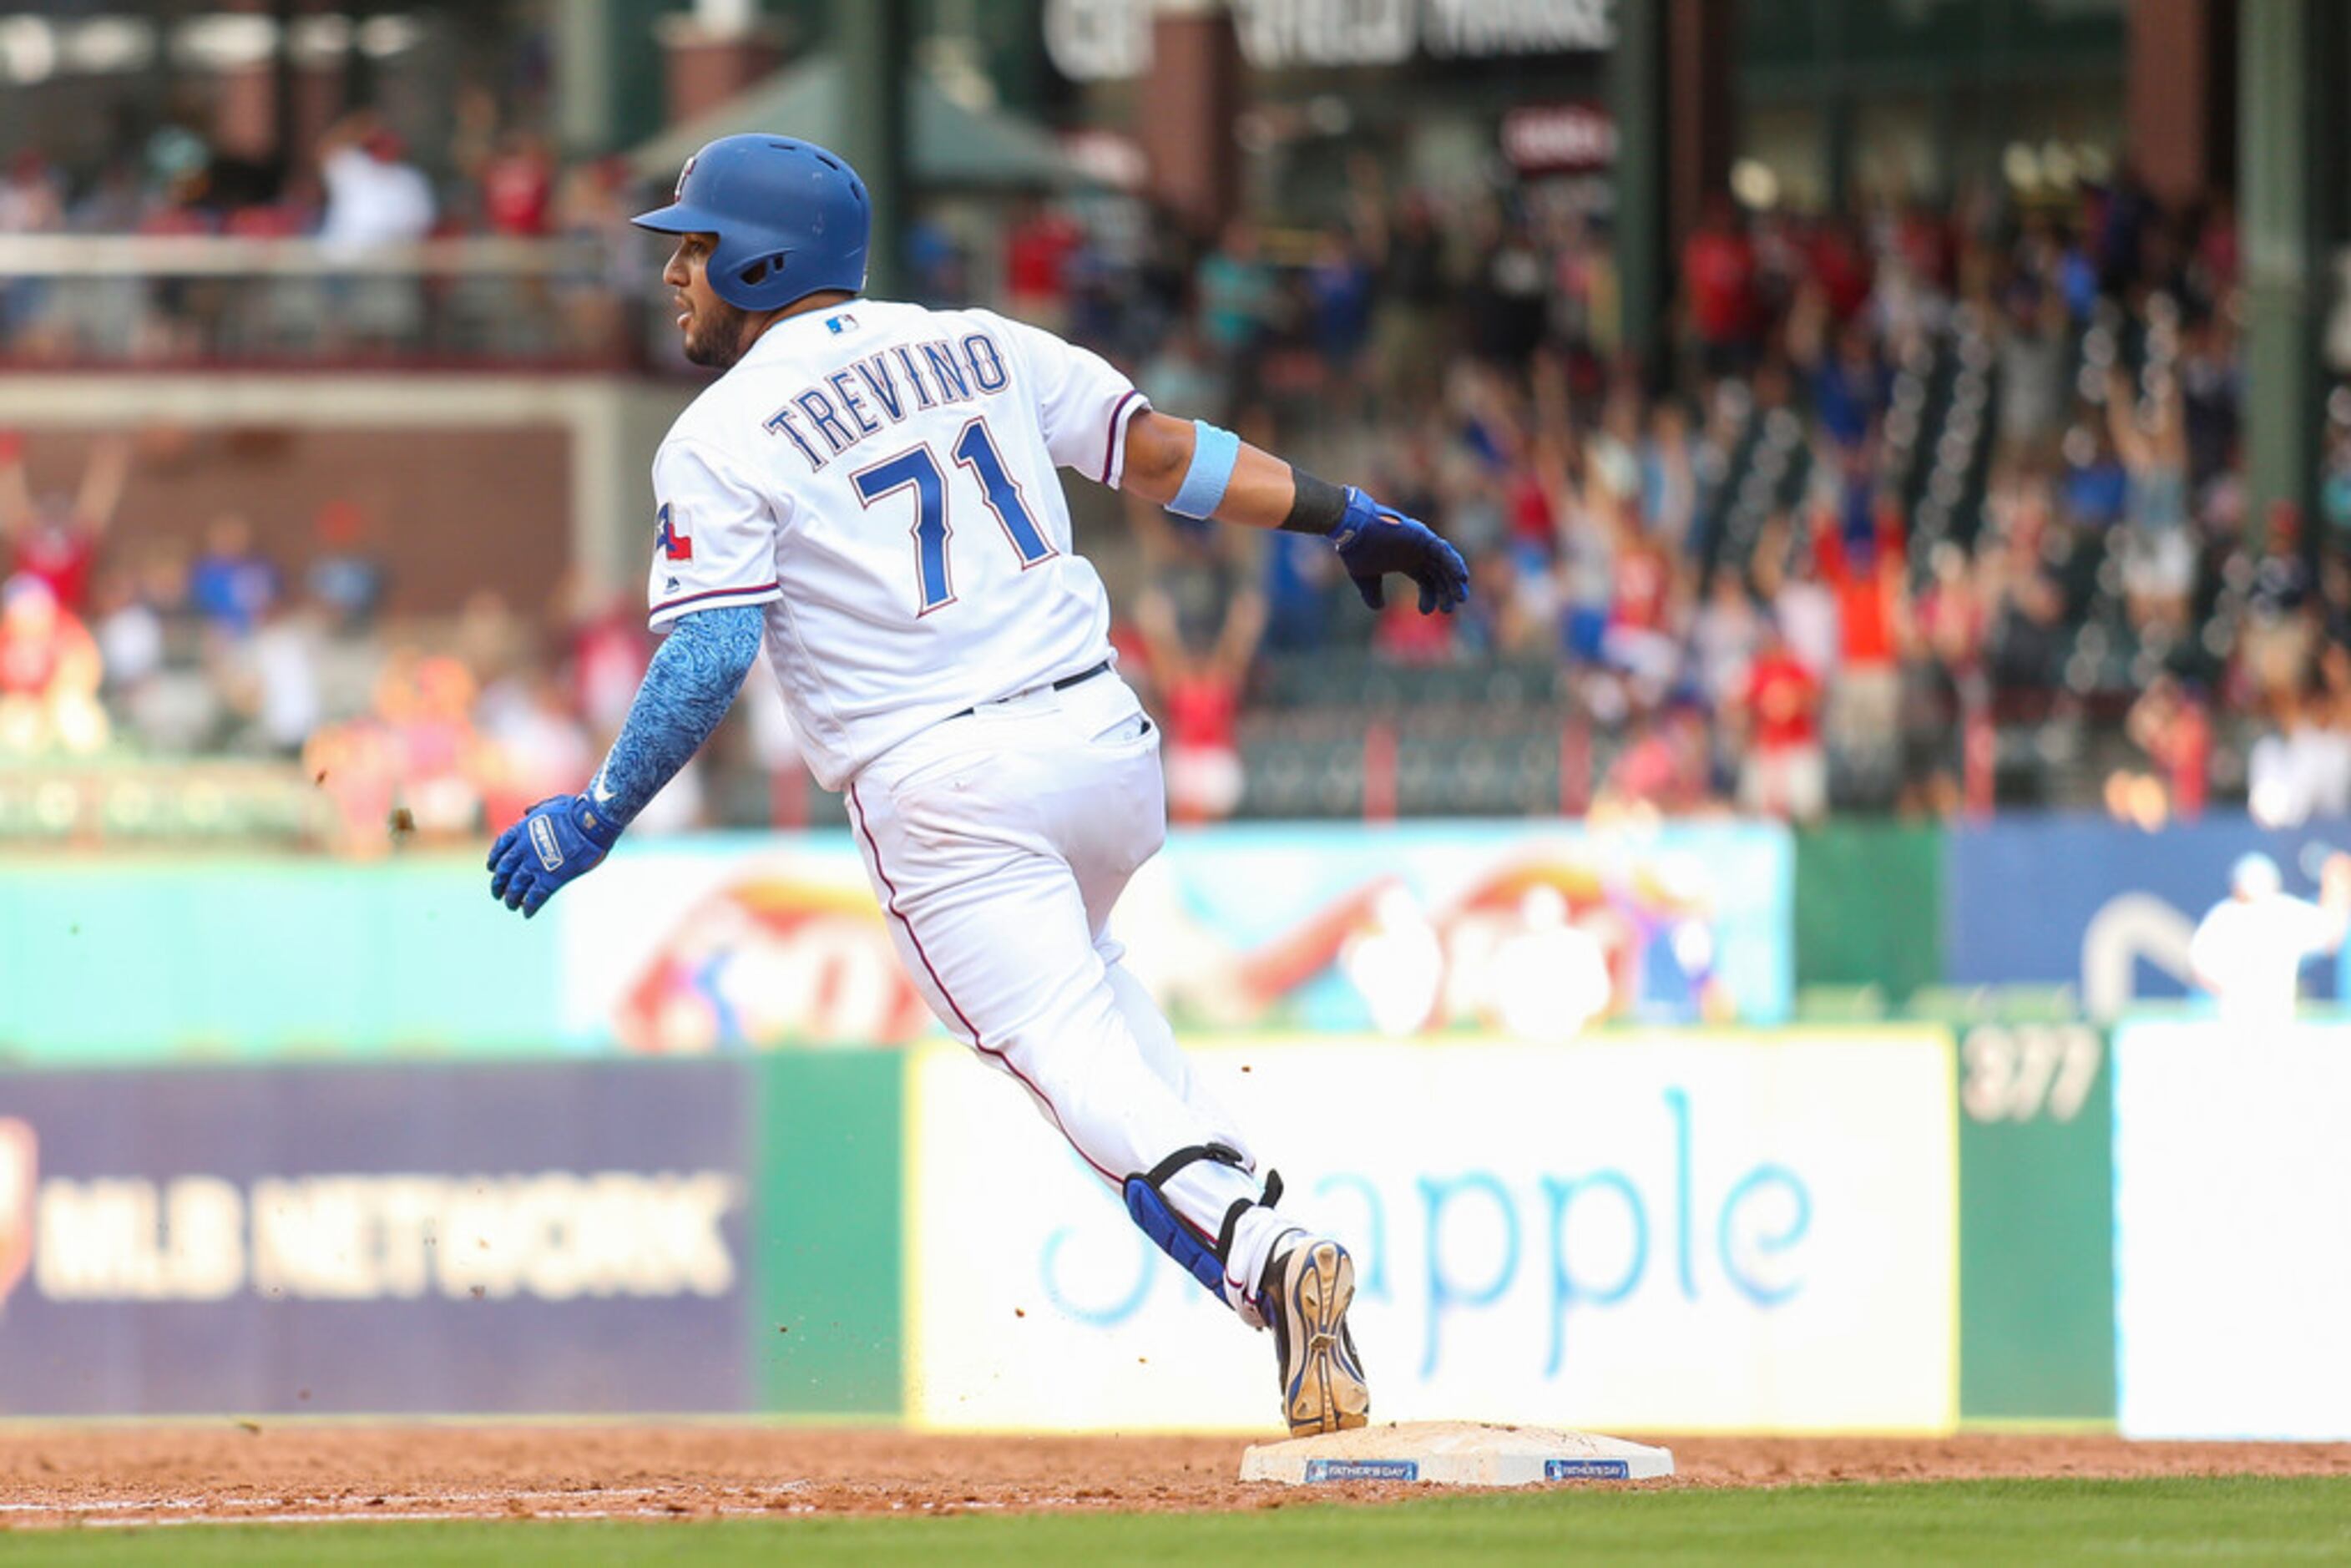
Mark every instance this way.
x=231 y=585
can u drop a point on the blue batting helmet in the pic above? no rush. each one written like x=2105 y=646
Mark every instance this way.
x=791 y=219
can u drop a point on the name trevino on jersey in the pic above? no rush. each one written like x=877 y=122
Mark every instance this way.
x=883 y=485
x=900 y=381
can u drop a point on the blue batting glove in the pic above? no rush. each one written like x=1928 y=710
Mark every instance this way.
x=1373 y=540
x=560 y=838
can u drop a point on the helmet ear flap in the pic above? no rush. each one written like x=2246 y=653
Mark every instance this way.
x=758 y=276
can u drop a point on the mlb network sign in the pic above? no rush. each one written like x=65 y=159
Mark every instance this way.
x=534 y=1239
x=1662 y=1231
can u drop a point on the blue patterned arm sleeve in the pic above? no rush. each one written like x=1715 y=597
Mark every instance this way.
x=687 y=689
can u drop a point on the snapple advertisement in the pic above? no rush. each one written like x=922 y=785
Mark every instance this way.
x=1652 y=1231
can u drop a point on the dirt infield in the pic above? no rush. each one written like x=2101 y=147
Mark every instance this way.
x=59 y=1476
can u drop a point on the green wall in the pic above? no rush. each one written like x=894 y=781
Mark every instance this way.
x=1869 y=906
x=2037 y=1224
x=829 y=1338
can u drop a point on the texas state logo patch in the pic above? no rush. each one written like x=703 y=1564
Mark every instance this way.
x=674 y=545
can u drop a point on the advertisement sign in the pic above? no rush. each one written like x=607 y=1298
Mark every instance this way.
x=730 y=942
x=2232 y=1209
x=734 y=941
x=1097 y=40
x=125 y=959
x=428 y=1239
x=1648 y=1232
x=2101 y=905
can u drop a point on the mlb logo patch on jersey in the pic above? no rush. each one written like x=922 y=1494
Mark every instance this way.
x=674 y=545
x=844 y=322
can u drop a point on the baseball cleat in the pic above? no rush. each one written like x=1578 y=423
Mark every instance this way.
x=1308 y=1286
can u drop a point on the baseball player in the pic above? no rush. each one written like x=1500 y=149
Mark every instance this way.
x=870 y=486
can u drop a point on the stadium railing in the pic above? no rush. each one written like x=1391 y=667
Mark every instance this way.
x=81 y=300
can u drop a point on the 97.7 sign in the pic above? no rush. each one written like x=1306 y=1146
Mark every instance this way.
x=2036 y=1223
x=2023 y=1073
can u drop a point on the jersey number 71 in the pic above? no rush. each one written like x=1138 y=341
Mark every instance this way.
x=917 y=469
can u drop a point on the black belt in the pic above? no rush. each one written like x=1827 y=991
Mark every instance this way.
x=1063 y=685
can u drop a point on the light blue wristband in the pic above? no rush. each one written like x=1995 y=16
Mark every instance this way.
x=1214 y=453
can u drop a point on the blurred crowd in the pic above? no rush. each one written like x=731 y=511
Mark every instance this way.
x=358 y=191
x=1919 y=481
x=208 y=647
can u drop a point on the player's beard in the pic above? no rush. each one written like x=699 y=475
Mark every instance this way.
x=713 y=336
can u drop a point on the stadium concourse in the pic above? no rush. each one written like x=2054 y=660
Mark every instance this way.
x=251 y=1472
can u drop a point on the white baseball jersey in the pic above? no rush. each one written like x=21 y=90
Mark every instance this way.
x=881 y=477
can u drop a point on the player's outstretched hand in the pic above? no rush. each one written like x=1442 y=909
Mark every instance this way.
x=560 y=838
x=1374 y=540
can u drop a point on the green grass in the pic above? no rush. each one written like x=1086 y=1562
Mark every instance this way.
x=2232 y=1519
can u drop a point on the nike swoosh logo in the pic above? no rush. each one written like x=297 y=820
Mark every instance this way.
x=602 y=791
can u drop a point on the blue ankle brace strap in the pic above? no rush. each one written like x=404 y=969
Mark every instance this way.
x=1146 y=1205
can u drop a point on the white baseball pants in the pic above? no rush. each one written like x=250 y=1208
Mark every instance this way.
x=997 y=844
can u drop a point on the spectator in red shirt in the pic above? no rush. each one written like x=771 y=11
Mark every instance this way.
x=1784 y=773
x=57 y=540
x=1402 y=636
x=1866 y=693
x=518 y=187
x=1718 y=285
x=2169 y=724
x=605 y=653
x=1841 y=265
x=1665 y=766
x=1037 y=254
x=1199 y=701
x=49 y=674
x=1641 y=638
x=1527 y=493
x=1924 y=237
